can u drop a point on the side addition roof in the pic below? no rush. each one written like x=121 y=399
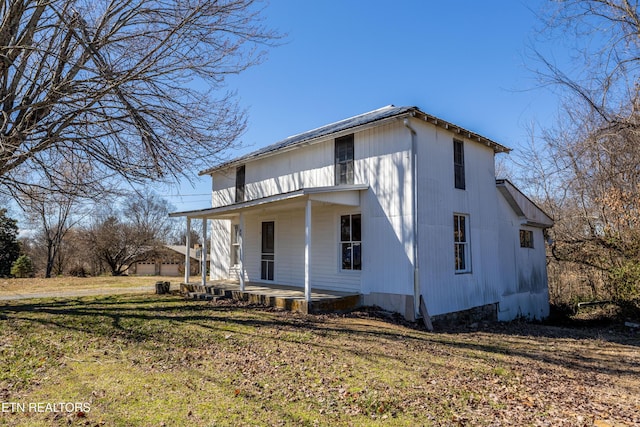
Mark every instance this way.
x=523 y=206
x=352 y=123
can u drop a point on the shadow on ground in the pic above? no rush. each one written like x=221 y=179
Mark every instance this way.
x=144 y=318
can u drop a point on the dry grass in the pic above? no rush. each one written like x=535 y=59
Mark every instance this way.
x=150 y=360
x=33 y=286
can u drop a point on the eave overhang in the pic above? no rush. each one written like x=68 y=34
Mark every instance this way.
x=346 y=195
x=524 y=208
x=351 y=125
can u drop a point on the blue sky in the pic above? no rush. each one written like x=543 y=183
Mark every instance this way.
x=465 y=61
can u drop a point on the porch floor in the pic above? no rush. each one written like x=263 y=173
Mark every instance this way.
x=276 y=295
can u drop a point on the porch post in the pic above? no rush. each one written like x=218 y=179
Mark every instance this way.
x=307 y=249
x=241 y=244
x=187 y=258
x=203 y=253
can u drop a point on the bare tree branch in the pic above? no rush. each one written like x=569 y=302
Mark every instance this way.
x=593 y=153
x=129 y=89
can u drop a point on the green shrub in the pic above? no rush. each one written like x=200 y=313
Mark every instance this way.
x=624 y=280
x=22 y=267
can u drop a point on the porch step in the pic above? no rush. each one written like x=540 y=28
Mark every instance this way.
x=280 y=297
x=203 y=296
x=326 y=305
x=201 y=289
x=332 y=305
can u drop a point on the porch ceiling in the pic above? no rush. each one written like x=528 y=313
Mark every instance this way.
x=347 y=195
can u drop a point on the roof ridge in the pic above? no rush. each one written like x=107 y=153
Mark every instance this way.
x=386 y=107
x=341 y=125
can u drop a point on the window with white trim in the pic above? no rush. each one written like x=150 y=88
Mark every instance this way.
x=461 y=243
x=235 y=244
x=350 y=242
x=344 y=160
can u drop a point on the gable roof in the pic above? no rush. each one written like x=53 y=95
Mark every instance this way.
x=183 y=251
x=523 y=206
x=352 y=123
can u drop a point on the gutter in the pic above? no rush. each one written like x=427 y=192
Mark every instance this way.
x=414 y=215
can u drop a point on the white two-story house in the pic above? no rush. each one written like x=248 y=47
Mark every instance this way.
x=393 y=205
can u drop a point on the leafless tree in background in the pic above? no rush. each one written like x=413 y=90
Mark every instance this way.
x=589 y=164
x=119 y=88
x=120 y=238
x=52 y=216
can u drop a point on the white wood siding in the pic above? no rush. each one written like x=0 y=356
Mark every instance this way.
x=289 y=249
x=310 y=166
x=220 y=249
x=443 y=289
x=524 y=273
x=382 y=161
x=500 y=272
x=223 y=186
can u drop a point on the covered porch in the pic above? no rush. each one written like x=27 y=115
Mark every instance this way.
x=274 y=295
x=293 y=285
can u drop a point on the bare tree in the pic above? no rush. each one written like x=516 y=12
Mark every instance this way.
x=52 y=215
x=590 y=162
x=179 y=236
x=120 y=88
x=118 y=245
x=149 y=213
x=134 y=234
x=602 y=72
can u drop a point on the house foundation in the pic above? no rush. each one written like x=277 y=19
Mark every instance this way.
x=280 y=296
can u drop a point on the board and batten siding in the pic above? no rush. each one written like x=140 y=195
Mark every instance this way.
x=524 y=289
x=384 y=163
x=304 y=167
x=381 y=161
x=289 y=249
x=220 y=249
x=445 y=291
x=500 y=272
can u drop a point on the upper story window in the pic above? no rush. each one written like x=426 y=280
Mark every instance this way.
x=526 y=239
x=458 y=164
x=240 y=184
x=344 y=160
x=461 y=243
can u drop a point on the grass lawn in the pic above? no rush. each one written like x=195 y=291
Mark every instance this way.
x=149 y=360
x=33 y=286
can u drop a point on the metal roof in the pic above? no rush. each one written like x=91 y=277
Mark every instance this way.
x=387 y=112
x=523 y=206
x=314 y=193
